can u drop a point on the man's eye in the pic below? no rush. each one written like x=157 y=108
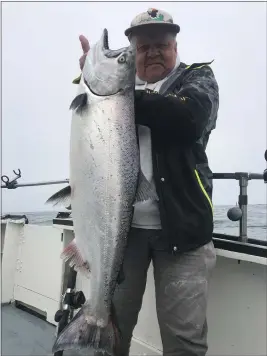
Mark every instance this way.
x=143 y=48
x=162 y=46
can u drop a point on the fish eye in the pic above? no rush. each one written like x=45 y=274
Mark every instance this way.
x=122 y=59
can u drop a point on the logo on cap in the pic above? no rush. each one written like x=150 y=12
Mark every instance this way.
x=153 y=13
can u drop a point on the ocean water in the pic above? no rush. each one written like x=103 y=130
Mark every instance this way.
x=257 y=220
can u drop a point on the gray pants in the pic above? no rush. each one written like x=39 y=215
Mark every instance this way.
x=181 y=284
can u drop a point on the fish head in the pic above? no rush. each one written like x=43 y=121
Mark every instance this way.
x=107 y=72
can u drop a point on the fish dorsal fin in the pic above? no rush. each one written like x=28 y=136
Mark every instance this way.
x=61 y=197
x=146 y=190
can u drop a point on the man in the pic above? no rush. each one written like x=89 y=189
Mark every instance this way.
x=176 y=109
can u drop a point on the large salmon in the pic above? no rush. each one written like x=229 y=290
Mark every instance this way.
x=105 y=182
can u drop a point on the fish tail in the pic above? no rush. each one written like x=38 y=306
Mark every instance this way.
x=84 y=332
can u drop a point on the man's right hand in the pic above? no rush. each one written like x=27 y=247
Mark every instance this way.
x=85 y=47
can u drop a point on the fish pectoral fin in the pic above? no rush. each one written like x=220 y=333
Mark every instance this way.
x=61 y=197
x=82 y=332
x=145 y=190
x=79 y=103
x=72 y=254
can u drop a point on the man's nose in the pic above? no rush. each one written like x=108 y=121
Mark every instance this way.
x=152 y=51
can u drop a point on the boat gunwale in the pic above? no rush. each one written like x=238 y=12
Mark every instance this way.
x=231 y=243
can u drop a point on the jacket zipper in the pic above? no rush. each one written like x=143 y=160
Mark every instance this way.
x=163 y=215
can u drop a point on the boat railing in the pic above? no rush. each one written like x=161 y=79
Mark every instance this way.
x=240 y=213
x=237 y=213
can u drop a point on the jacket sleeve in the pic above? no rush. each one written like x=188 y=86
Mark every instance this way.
x=186 y=114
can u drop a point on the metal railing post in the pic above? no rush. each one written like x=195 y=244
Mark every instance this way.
x=242 y=178
x=243 y=205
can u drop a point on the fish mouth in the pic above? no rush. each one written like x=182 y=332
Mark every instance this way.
x=109 y=53
x=99 y=95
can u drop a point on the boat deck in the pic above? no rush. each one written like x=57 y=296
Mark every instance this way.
x=24 y=334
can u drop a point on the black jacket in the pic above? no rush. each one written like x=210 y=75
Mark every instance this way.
x=181 y=117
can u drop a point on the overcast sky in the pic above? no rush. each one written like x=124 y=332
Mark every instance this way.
x=40 y=57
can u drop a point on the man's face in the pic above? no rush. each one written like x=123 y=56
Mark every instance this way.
x=155 y=55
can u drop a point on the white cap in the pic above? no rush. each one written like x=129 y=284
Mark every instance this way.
x=153 y=17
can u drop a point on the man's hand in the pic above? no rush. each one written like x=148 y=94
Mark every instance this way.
x=85 y=47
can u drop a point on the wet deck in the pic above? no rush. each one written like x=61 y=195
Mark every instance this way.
x=24 y=334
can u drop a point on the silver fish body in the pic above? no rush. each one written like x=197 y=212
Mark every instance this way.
x=105 y=182
x=104 y=163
